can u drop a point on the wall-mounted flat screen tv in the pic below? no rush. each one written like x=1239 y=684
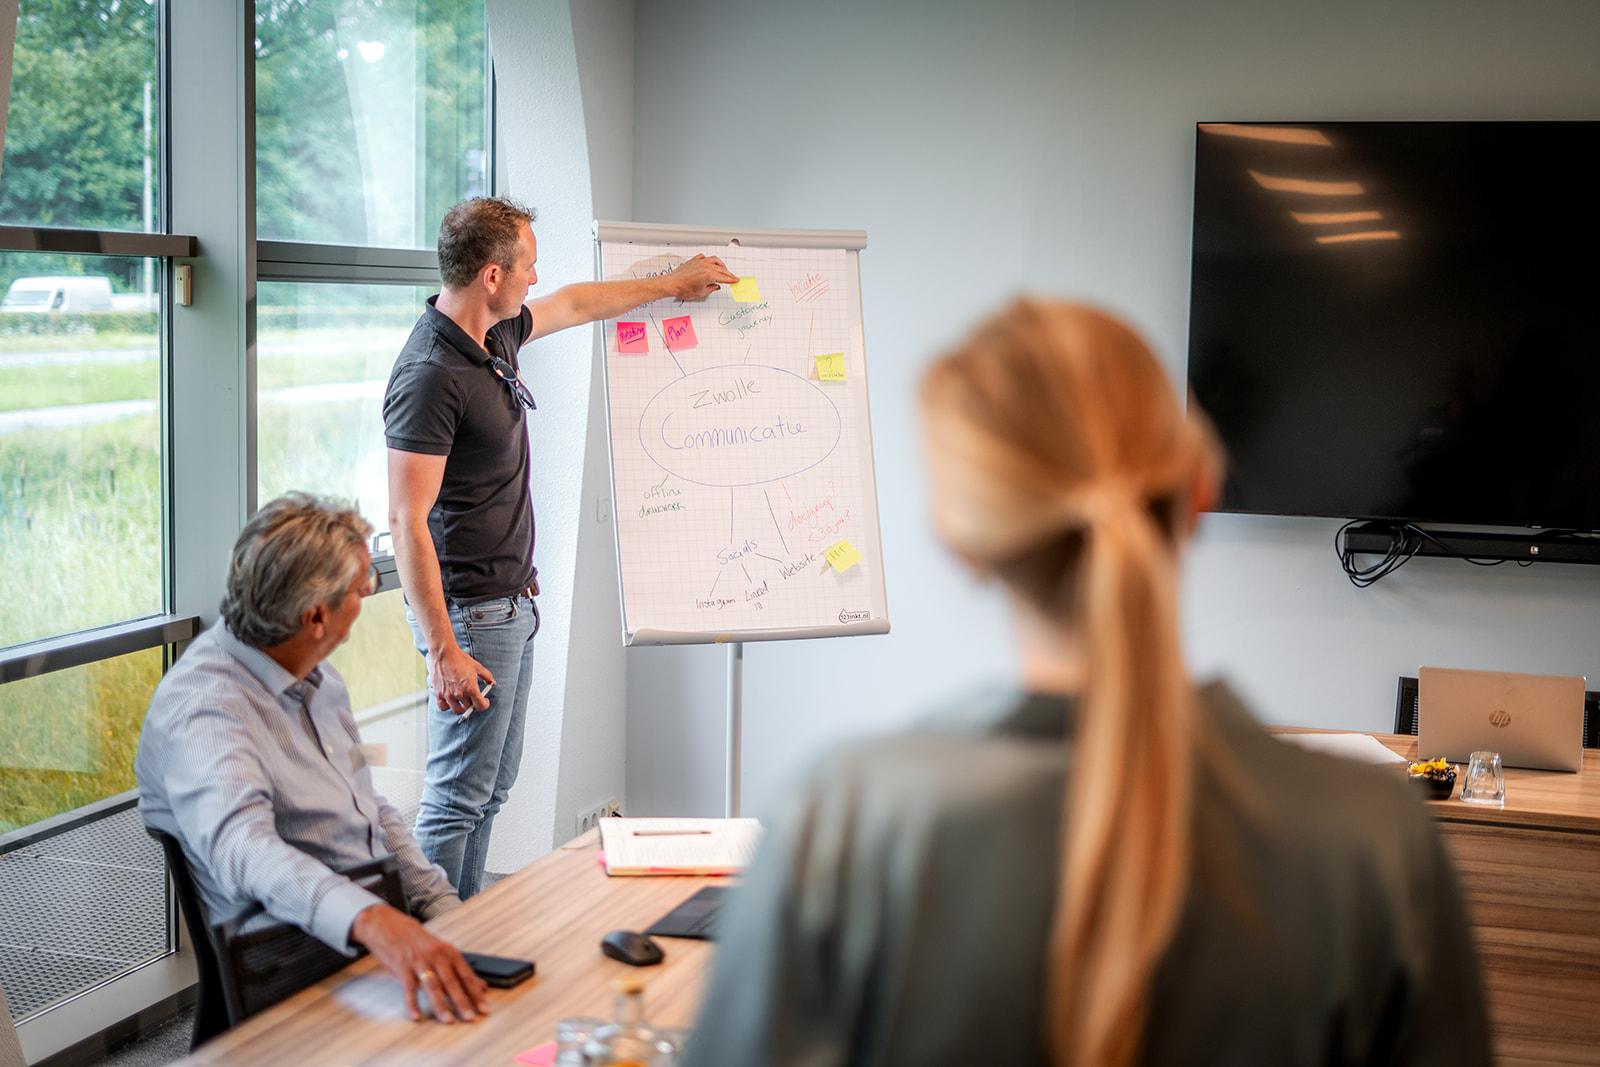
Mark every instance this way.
x=1401 y=320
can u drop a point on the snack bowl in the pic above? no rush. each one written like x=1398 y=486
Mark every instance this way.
x=1436 y=777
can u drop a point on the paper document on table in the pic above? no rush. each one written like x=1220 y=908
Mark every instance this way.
x=678 y=846
x=1364 y=748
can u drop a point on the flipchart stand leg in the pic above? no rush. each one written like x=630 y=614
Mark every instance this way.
x=735 y=727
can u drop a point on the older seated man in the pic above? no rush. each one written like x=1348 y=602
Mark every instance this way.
x=250 y=758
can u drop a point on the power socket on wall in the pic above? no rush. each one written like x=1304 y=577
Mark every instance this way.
x=588 y=820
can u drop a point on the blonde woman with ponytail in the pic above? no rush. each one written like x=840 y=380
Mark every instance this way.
x=1109 y=865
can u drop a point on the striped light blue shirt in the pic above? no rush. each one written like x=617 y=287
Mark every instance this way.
x=263 y=780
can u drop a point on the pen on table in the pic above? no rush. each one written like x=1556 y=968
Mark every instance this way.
x=668 y=833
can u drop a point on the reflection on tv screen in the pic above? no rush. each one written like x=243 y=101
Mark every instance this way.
x=1395 y=320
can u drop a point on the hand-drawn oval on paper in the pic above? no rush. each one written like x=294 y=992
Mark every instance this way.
x=739 y=424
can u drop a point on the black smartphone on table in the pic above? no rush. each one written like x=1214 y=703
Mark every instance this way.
x=499 y=971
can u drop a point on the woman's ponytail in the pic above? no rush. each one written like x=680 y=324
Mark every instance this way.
x=1126 y=838
x=1063 y=464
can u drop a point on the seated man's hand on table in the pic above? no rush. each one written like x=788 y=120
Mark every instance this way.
x=421 y=961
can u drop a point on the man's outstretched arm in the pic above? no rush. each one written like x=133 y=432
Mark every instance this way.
x=581 y=302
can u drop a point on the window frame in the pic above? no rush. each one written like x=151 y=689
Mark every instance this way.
x=207 y=402
x=164 y=978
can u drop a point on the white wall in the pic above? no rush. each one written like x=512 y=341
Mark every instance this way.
x=1049 y=146
x=593 y=737
x=602 y=33
x=572 y=755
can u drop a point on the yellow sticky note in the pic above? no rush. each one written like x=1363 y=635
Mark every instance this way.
x=842 y=556
x=745 y=292
x=830 y=367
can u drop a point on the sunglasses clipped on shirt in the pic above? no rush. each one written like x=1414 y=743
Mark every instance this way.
x=507 y=374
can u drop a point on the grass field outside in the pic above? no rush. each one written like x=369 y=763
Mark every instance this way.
x=44 y=344
x=80 y=521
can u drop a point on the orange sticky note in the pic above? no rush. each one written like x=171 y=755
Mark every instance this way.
x=830 y=367
x=842 y=556
x=679 y=333
x=745 y=291
x=632 y=340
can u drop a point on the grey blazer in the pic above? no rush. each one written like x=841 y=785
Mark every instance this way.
x=898 y=910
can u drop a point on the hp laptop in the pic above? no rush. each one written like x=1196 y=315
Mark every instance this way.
x=1532 y=720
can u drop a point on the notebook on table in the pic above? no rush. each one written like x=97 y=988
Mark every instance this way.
x=678 y=846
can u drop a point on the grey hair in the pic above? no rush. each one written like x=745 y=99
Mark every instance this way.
x=298 y=551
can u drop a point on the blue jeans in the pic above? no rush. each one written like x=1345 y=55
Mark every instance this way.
x=473 y=760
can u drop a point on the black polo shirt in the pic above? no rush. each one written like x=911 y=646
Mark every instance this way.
x=444 y=399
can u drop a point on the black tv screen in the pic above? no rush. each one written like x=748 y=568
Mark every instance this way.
x=1397 y=320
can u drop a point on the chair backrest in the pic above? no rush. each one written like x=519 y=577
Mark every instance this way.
x=1405 y=712
x=269 y=963
x=211 y=1012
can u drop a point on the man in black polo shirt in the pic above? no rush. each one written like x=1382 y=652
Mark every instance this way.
x=460 y=507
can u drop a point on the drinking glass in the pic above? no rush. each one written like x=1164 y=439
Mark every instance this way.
x=571 y=1035
x=1485 y=781
x=670 y=1045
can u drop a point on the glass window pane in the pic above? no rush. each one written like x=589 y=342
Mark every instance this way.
x=82 y=128
x=370 y=118
x=85 y=904
x=323 y=357
x=80 y=468
x=389 y=691
x=67 y=738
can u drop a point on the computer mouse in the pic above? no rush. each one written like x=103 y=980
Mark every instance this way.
x=631 y=947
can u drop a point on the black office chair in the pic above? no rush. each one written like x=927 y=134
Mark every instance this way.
x=263 y=966
x=211 y=1010
x=245 y=972
x=1405 y=712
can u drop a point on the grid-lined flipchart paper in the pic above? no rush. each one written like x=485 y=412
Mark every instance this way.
x=740 y=459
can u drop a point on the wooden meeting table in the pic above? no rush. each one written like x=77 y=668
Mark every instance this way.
x=1531 y=875
x=1530 y=872
x=553 y=912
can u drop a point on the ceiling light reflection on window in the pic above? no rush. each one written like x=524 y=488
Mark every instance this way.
x=371 y=51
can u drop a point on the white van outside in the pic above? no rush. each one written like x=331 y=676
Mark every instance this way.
x=58 y=293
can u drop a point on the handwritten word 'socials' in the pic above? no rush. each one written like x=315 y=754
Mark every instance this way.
x=739 y=425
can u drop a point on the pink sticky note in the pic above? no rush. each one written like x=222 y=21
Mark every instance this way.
x=632 y=340
x=680 y=333
x=539 y=1055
